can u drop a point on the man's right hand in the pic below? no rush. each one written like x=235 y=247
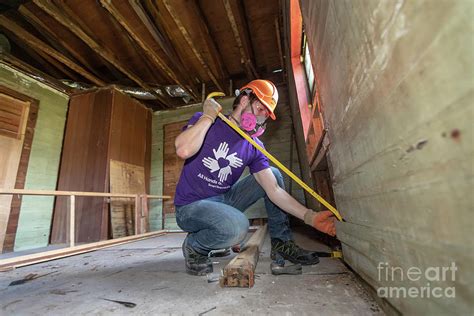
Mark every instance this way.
x=211 y=108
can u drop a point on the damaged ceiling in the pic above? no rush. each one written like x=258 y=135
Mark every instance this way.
x=147 y=45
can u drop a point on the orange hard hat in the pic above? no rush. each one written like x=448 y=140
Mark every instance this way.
x=266 y=92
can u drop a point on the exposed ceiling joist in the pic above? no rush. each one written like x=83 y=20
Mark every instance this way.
x=165 y=45
x=211 y=44
x=107 y=4
x=130 y=43
x=32 y=71
x=38 y=57
x=241 y=35
x=59 y=66
x=31 y=18
x=32 y=41
x=74 y=26
x=171 y=10
x=149 y=44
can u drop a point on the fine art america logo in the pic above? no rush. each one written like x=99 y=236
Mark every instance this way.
x=434 y=281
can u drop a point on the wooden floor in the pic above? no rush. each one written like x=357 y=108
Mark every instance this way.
x=150 y=274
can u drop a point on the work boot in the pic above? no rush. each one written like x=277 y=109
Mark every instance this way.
x=292 y=252
x=196 y=263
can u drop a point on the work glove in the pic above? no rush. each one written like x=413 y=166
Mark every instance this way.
x=323 y=221
x=210 y=109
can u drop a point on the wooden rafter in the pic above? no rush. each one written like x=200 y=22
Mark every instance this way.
x=34 y=42
x=50 y=8
x=34 y=20
x=169 y=7
x=39 y=75
x=71 y=15
x=164 y=44
x=107 y=4
x=35 y=55
x=241 y=36
x=69 y=74
x=280 y=50
x=130 y=43
x=211 y=44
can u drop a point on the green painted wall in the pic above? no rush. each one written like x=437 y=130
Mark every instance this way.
x=277 y=140
x=36 y=212
x=396 y=83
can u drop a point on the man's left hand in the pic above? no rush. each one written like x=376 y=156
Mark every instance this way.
x=323 y=221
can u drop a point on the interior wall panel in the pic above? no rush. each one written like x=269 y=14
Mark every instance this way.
x=34 y=222
x=395 y=81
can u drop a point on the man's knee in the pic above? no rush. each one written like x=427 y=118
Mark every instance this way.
x=235 y=229
x=278 y=176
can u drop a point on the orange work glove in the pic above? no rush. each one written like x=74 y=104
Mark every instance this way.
x=323 y=221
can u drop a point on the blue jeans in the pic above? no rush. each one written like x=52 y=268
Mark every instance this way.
x=218 y=222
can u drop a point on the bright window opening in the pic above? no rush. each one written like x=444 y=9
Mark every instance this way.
x=308 y=67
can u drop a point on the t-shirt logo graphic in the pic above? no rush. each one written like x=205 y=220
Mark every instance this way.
x=221 y=153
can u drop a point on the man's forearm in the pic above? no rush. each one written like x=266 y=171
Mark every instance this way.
x=288 y=203
x=190 y=141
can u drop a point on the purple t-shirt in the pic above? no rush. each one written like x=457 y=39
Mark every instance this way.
x=219 y=163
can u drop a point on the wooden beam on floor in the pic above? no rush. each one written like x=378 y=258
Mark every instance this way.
x=171 y=10
x=240 y=272
x=34 y=42
x=75 y=27
x=20 y=261
x=239 y=27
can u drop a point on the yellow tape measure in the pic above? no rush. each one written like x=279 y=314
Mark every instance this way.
x=275 y=161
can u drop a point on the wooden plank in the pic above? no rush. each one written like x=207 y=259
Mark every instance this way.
x=171 y=10
x=21 y=261
x=29 y=70
x=72 y=220
x=239 y=27
x=125 y=178
x=142 y=40
x=164 y=43
x=239 y=272
x=37 y=22
x=320 y=152
x=37 y=44
x=35 y=55
x=83 y=166
x=69 y=193
x=144 y=221
x=56 y=13
x=259 y=17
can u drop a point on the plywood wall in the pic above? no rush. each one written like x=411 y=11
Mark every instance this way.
x=35 y=214
x=396 y=82
x=102 y=125
x=277 y=140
